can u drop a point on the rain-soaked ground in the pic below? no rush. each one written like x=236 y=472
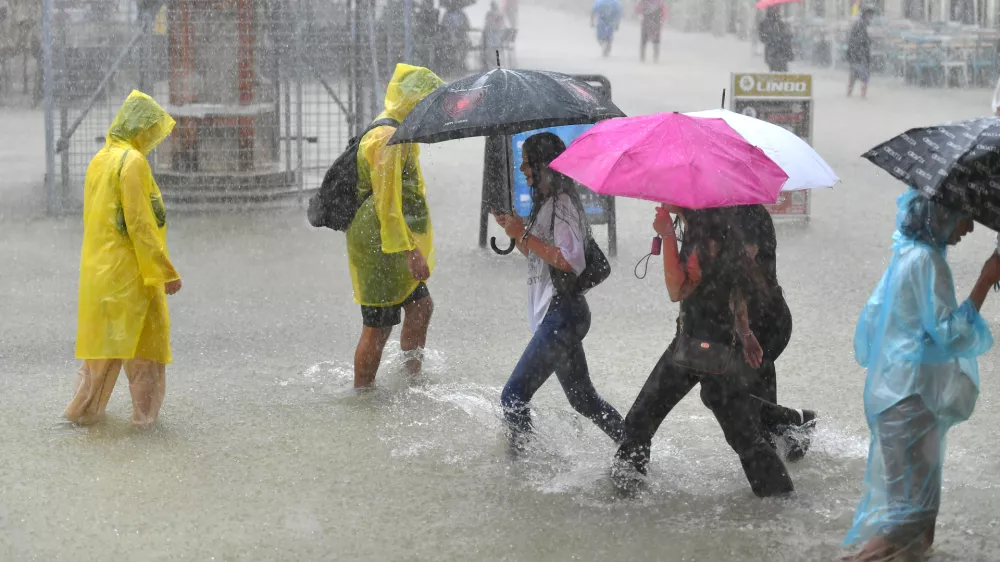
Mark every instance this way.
x=264 y=452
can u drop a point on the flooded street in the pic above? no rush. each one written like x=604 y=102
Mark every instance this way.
x=265 y=452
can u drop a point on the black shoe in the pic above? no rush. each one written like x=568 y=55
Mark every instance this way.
x=798 y=439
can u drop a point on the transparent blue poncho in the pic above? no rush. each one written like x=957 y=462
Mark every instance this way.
x=920 y=347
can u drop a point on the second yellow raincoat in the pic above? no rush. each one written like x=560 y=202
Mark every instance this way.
x=124 y=261
x=395 y=219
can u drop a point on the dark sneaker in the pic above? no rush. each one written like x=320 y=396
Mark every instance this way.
x=798 y=439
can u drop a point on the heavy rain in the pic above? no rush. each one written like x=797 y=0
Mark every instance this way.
x=374 y=390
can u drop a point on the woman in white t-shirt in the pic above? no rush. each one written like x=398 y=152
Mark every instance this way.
x=555 y=237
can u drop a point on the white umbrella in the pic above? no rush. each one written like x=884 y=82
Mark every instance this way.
x=806 y=169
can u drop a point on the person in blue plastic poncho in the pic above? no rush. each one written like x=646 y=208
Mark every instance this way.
x=606 y=16
x=920 y=347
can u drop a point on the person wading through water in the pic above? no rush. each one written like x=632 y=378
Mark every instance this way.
x=555 y=238
x=709 y=276
x=390 y=243
x=771 y=323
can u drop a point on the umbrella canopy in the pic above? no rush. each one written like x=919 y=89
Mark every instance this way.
x=765 y=4
x=957 y=164
x=691 y=162
x=503 y=102
x=806 y=169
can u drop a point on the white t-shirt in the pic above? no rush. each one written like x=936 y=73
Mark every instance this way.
x=569 y=237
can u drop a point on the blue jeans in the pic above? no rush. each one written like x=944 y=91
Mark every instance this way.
x=557 y=347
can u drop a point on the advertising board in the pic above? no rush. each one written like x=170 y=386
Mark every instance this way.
x=784 y=100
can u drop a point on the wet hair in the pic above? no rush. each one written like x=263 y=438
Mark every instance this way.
x=731 y=262
x=539 y=151
x=923 y=220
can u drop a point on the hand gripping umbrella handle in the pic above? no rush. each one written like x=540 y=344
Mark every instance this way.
x=493 y=244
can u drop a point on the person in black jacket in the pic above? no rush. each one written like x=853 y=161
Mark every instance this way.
x=859 y=52
x=777 y=40
x=771 y=323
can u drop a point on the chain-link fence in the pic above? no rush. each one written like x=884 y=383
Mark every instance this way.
x=265 y=92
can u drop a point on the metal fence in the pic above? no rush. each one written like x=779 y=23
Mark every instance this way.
x=265 y=92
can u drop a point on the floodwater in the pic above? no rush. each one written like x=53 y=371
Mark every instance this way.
x=264 y=452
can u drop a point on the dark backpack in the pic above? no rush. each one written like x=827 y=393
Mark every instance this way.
x=337 y=200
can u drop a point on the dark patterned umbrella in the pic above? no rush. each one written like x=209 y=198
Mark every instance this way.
x=957 y=164
x=503 y=102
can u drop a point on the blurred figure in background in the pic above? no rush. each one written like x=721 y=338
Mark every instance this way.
x=653 y=14
x=425 y=33
x=777 y=40
x=494 y=31
x=454 y=39
x=859 y=52
x=606 y=17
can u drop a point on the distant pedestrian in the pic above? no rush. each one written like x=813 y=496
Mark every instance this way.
x=859 y=52
x=606 y=17
x=777 y=40
x=125 y=270
x=494 y=33
x=425 y=26
x=653 y=14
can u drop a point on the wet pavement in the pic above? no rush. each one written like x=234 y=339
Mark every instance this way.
x=264 y=452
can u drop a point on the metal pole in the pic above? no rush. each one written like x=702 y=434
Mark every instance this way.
x=52 y=203
x=408 y=31
x=376 y=88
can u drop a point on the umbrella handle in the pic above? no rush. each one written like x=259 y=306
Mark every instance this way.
x=493 y=244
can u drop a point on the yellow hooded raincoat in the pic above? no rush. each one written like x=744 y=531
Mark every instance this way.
x=395 y=219
x=124 y=262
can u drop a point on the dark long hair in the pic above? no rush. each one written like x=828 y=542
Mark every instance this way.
x=539 y=151
x=731 y=262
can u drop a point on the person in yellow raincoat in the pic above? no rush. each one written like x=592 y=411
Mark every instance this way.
x=125 y=270
x=390 y=243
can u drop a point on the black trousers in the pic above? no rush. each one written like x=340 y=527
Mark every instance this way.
x=738 y=414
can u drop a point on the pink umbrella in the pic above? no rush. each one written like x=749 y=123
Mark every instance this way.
x=765 y=4
x=691 y=162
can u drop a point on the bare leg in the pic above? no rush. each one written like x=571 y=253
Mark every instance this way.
x=95 y=381
x=368 y=355
x=850 y=86
x=413 y=339
x=147 y=382
x=864 y=90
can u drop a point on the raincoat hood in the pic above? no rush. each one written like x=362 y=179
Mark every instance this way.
x=409 y=85
x=919 y=219
x=141 y=123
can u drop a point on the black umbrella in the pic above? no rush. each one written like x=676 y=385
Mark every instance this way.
x=957 y=164
x=503 y=102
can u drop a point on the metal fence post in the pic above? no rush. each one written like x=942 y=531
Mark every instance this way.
x=408 y=31
x=52 y=203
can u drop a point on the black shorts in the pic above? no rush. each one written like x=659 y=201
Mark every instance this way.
x=389 y=316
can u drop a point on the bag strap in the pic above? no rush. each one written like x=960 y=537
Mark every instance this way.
x=121 y=164
x=386 y=122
